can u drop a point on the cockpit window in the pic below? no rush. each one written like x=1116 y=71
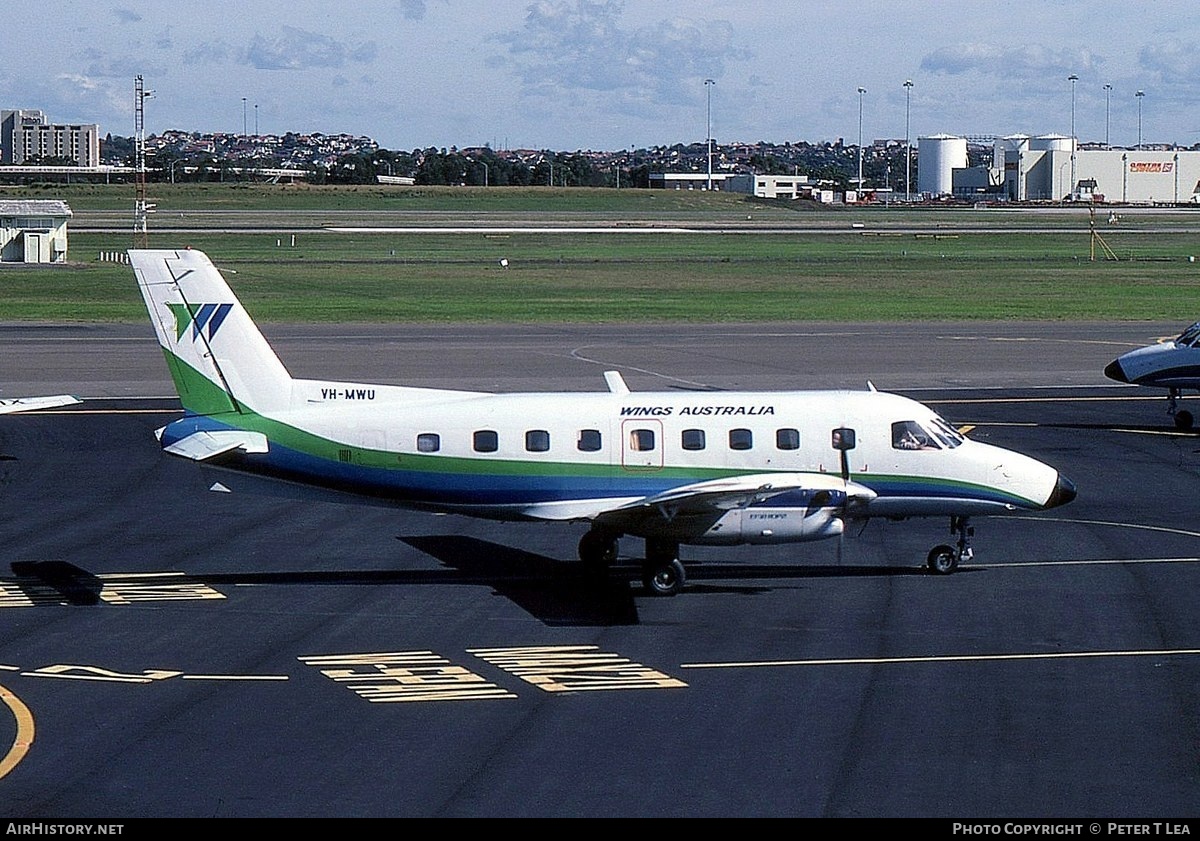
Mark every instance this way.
x=1189 y=336
x=946 y=433
x=910 y=435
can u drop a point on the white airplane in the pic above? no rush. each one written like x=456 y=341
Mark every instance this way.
x=672 y=468
x=29 y=404
x=1173 y=365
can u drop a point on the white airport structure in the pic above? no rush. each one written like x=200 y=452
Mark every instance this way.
x=1052 y=167
x=33 y=231
x=939 y=155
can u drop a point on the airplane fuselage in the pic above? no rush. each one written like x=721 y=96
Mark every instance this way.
x=573 y=456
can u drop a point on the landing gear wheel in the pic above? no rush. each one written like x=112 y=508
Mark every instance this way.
x=942 y=560
x=1183 y=420
x=664 y=577
x=598 y=551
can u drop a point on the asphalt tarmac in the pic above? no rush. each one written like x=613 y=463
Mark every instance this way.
x=169 y=651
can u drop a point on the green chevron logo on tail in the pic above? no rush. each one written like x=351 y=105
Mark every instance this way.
x=199 y=317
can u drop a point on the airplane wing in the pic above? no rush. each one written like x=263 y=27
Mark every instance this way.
x=29 y=404
x=695 y=507
x=702 y=503
x=204 y=445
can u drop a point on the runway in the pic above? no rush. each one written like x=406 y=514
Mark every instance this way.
x=166 y=650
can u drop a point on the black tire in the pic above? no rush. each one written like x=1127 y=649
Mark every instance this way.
x=598 y=551
x=1183 y=420
x=664 y=578
x=942 y=560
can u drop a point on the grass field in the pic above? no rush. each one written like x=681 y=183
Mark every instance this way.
x=901 y=265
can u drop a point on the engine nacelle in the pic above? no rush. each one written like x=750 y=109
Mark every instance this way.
x=773 y=525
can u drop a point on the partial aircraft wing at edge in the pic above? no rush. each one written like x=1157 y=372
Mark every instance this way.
x=29 y=404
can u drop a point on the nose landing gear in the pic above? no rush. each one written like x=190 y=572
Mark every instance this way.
x=944 y=559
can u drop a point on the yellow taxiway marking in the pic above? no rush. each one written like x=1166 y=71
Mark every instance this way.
x=1100 y=562
x=34 y=412
x=1057 y=399
x=1114 y=523
x=233 y=677
x=946 y=658
x=24 y=737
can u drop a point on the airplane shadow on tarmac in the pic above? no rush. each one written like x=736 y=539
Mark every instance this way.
x=553 y=591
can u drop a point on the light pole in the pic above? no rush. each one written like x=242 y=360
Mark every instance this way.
x=1072 y=79
x=1107 y=93
x=256 y=119
x=708 y=83
x=861 y=91
x=908 y=83
x=243 y=117
x=1139 y=96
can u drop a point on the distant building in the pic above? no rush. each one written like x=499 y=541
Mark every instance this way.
x=733 y=182
x=1054 y=168
x=784 y=186
x=27 y=135
x=33 y=231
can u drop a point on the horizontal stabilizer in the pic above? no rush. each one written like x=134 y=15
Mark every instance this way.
x=29 y=404
x=201 y=446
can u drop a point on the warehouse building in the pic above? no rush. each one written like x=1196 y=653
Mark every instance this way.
x=33 y=231
x=1053 y=168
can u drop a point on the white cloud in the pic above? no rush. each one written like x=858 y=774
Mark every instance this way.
x=1023 y=61
x=299 y=49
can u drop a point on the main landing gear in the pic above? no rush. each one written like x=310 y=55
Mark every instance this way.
x=662 y=571
x=944 y=559
x=1182 y=417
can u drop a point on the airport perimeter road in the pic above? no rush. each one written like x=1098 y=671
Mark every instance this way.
x=167 y=650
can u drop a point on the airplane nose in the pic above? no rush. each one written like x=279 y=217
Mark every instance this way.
x=1114 y=371
x=1064 y=491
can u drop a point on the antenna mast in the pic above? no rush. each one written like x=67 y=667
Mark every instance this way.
x=140 y=209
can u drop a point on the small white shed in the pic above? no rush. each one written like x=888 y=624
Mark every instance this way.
x=33 y=230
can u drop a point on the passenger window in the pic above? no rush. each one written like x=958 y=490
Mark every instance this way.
x=787 y=439
x=537 y=440
x=740 y=439
x=589 y=440
x=486 y=441
x=641 y=440
x=910 y=435
x=429 y=442
x=693 y=439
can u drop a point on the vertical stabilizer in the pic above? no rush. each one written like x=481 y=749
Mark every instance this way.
x=219 y=360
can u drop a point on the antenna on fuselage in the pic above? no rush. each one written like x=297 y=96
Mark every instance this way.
x=616 y=383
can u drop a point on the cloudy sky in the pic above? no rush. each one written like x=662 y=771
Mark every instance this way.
x=609 y=74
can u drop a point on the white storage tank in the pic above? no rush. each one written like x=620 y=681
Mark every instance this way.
x=939 y=155
x=1050 y=143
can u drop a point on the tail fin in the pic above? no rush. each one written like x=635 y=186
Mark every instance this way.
x=219 y=360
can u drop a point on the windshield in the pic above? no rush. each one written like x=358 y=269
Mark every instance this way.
x=910 y=435
x=1189 y=336
x=947 y=434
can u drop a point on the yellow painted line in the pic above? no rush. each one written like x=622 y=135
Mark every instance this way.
x=1104 y=562
x=1114 y=523
x=1147 y=398
x=946 y=658
x=234 y=677
x=33 y=412
x=24 y=738
x=1166 y=433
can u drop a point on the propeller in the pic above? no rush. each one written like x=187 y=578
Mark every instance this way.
x=843 y=441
